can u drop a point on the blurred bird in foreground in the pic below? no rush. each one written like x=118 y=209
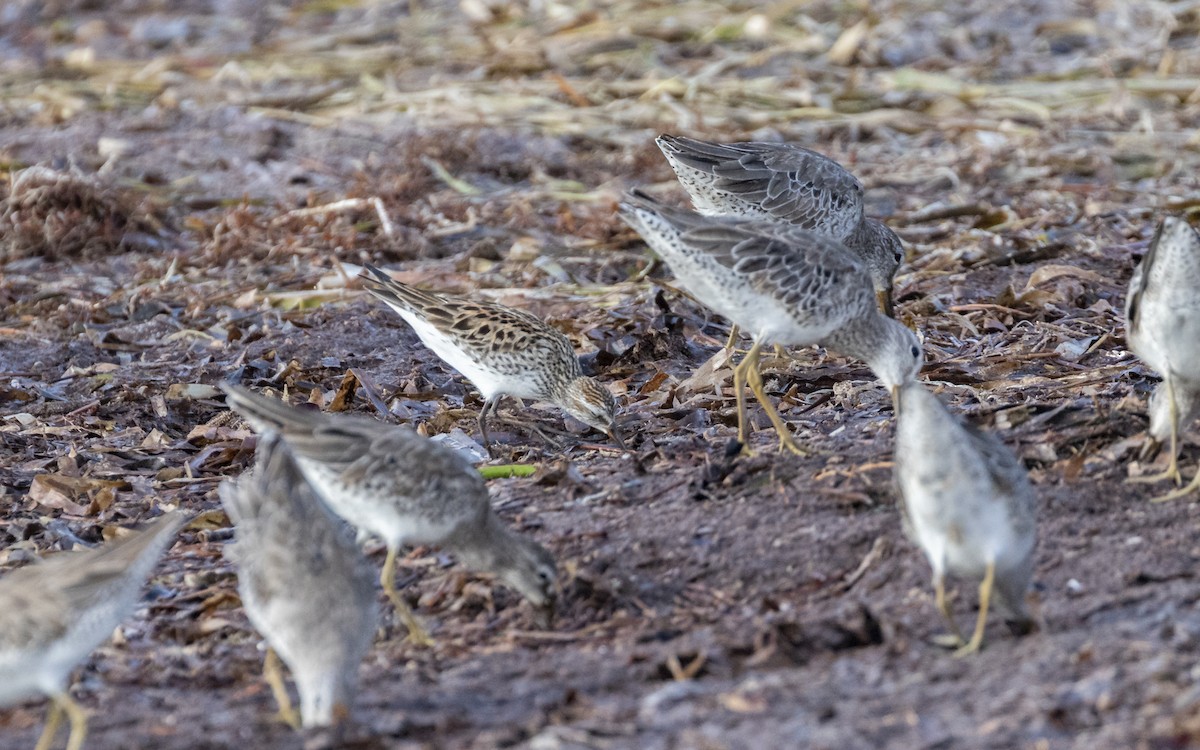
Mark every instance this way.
x=968 y=503
x=54 y=613
x=304 y=584
x=390 y=481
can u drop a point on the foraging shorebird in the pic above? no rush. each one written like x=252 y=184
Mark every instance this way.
x=54 y=613
x=968 y=503
x=407 y=489
x=782 y=284
x=1162 y=324
x=502 y=351
x=790 y=184
x=305 y=586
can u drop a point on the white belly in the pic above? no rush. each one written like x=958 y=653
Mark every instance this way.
x=962 y=527
x=731 y=296
x=387 y=517
x=489 y=381
x=21 y=676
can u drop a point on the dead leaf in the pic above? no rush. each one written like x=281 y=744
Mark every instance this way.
x=710 y=374
x=345 y=392
x=1054 y=271
x=62 y=492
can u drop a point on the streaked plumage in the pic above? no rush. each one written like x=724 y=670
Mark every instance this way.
x=502 y=351
x=781 y=182
x=390 y=481
x=305 y=585
x=967 y=502
x=783 y=285
x=54 y=613
x=1162 y=324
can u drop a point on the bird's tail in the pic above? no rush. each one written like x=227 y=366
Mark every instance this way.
x=395 y=293
x=266 y=414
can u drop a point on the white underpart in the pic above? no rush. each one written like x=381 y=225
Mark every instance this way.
x=364 y=509
x=957 y=516
x=731 y=294
x=489 y=382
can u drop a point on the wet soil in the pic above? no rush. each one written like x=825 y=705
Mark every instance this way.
x=221 y=169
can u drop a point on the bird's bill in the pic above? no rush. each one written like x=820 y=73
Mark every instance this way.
x=543 y=616
x=616 y=438
x=895 y=391
x=884 y=299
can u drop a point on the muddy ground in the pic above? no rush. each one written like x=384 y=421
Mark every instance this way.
x=219 y=169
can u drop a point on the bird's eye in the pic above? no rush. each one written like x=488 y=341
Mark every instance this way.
x=916 y=352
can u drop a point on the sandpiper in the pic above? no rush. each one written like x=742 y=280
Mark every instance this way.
x=390 y=481
x=1162 y=324
x=55 y=613
x=784 y=285
x=968 y=503
x=781 y=182
x=502 y=351
x=305 y=586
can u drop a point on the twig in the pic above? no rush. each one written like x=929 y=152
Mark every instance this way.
x=342 y=205
x=385 y=222
x=937 y=213
x=873 y=555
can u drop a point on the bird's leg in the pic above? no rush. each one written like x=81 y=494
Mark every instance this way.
x=61 y=703
x=273 y=674
x=1172 y=471
x=1191 y=487
x=985 y=598
x=731 y=344
x=78 y=719
x=53 y=719
x=739 y=392
x=490 y=403
x=528 y=424
x=416 y=633
x=754 y=380
x=954 y=638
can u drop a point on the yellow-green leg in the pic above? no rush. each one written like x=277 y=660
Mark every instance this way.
x=1192 y=486
x=78 y=718
x=739 y=392
x=1172 y=471
x=754 y=379
x=732 y=341
x=954 y=638
x=53 y=719
x=273 y=674
x=985 y=598
x=416 y=633
x=61 y=703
